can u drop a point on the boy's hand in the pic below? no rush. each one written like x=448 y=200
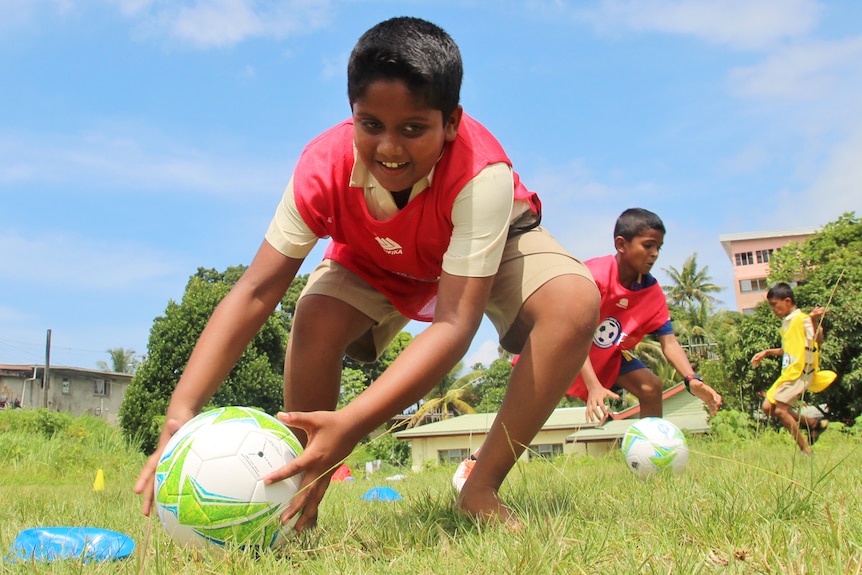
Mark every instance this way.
x=147 y=476
x=817 y=312
x=596 y=408
x=757 y=358
x=327 y=447
x=706 y=394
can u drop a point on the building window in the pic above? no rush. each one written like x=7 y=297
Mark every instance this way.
x=763 y=256
x=753 y=285
x=546 y=450
x=102 y=387
x=447 y=456
x=66 y=386
x=744 y=259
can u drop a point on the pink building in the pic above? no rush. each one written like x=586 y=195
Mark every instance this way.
x=749 y=254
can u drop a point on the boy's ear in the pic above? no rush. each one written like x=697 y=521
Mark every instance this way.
x=450 y=128
x=620 y=244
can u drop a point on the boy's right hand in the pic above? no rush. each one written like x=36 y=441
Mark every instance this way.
x=146 y=479
x=597 y=410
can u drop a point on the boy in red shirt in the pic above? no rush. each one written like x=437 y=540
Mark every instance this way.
x=633 y=305
x=427 y=221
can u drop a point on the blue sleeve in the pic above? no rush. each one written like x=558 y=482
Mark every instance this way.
x=666 y=329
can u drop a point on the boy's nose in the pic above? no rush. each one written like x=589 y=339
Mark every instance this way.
x=389 y=145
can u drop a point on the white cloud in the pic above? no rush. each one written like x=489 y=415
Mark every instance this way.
x=84 y=264
x=803 y=71
x=485 y=353
x=837 y=189
x=742 y=24
x=217 y=23
x=118 y=159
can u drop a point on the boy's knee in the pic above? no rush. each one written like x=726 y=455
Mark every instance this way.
x=651 y=386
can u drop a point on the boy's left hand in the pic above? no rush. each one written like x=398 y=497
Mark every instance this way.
x=706 y=394
x=327 y=447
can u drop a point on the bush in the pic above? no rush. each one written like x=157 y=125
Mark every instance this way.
x=732 y=425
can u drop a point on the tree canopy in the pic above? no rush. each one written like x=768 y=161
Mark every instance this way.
x=256 y=380
x=122 y=361
x=827 y=271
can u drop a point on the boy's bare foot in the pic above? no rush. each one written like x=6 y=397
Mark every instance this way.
x=484 y=505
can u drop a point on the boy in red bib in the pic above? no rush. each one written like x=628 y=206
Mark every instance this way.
x=427 y=221
x=633 y=305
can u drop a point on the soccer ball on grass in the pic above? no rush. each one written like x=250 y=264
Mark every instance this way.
x=209 y=489
x=654 y=445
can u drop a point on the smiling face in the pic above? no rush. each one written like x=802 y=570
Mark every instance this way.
x=636 y=257
x=397 y=136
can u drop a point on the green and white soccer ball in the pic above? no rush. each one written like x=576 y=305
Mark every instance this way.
x=654 y=445
x=209 y=489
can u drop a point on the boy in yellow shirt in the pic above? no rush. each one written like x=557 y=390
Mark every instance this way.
x=800 y=350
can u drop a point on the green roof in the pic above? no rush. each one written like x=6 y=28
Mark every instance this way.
x=561 y=418
x=682 y=409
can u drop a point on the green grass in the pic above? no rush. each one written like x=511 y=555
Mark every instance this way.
x=753 y=506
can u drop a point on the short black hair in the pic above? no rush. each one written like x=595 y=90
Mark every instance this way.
x=635 y=221
x=413 y=50
x=781 y=290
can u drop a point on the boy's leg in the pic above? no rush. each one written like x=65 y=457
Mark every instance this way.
x=790 y=420
x=647 y=387
x=338 y=313
x=778 y=403
x=322 y=329
x=554 y=327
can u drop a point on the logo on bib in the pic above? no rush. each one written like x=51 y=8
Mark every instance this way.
x=389 y=246
x=607 y=333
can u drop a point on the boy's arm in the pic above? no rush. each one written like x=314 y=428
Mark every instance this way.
x=332 y=435
x=676 y=356
x=596 y=393
x=232 y=326
x=816 y=316
x=758 y=357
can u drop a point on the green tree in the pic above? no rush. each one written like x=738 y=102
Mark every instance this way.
x=375 y=369
x=353 y=382
x=491 y=387
x=122 y=361
x=449 y=398
x=828 y=269
x=256 y=380
x=690 y=287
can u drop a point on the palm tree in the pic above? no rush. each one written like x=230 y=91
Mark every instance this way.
x=122 y=361
x=449 y=401
x=691 y=286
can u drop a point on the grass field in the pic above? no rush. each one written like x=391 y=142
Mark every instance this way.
x=742 y=506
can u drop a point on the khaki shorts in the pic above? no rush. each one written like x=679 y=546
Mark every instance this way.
x=787 y=391
x=529 y=260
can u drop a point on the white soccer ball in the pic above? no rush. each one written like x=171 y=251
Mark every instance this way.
x=209 y=489
x=654 y=445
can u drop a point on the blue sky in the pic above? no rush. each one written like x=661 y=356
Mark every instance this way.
x=142 y=139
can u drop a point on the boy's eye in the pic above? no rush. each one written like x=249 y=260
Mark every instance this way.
x=370 y=125
x=414 y=129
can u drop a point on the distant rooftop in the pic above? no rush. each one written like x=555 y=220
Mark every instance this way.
x=726 y=239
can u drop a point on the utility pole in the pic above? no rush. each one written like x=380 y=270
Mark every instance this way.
x=46 y=381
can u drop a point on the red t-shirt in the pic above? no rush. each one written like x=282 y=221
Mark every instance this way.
x=626 y=317
x=401 y=257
